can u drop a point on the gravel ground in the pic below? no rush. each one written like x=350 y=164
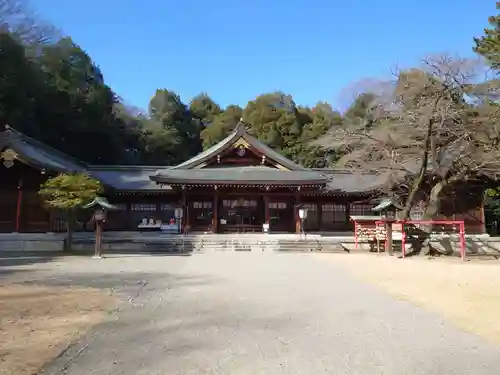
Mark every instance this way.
x=465 y=293
x=254 y=313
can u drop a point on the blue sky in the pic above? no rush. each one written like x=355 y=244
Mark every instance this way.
x=236 y=50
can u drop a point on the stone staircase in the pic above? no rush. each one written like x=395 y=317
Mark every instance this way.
x=135 y=242
x=143 y=242
x=241 y=242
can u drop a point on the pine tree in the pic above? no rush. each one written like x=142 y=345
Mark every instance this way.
x=488 y=45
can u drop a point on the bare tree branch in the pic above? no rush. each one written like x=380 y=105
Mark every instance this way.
x=435 y=125
x=17 y=17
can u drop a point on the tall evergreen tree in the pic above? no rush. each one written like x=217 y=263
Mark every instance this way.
x=221 y=125
x=171 y=120
x=274 y=118
x=488 y=45
x=204 y=108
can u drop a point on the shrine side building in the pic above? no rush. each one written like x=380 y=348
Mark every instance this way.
x=235 y=186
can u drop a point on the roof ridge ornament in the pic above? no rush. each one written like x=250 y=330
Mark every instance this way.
x=241 y=127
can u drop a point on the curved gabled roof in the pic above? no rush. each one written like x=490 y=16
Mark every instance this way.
x=145 y=178
x=250 y=175
x=239 y=132
x=39 y=154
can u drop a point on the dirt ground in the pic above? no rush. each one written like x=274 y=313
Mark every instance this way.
x=467 y=294
x=37 y=323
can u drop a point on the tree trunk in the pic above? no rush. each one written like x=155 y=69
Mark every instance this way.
x=98 y=239
x=389 y=242
x=431 y=210
x=417 y=184
x=69 y=230
x=410 y=201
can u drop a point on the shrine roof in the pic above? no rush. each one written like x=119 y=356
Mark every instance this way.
x=126 y=177
x=37 y=153
x=250 y=175
x=238 y=133
x=145 y=178
x=345 y=181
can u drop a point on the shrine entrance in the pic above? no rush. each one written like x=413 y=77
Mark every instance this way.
x=241 y=214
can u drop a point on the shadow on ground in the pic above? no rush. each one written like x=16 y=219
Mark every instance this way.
x=12 y=262
x=124 y=279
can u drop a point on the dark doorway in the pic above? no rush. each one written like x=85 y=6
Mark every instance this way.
x=281 y=216
x=241 y=214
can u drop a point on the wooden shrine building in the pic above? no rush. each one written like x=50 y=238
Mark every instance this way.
x=235 y=186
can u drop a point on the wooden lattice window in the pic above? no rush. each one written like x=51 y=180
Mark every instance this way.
x=278 y=205
x=202 y=205
x=333 y=213
x=361 y=209
x=239 y=203
x=311 y=222
x=149 y=207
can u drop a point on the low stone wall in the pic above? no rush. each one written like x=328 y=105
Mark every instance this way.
x=32 y=245
x=124 y=242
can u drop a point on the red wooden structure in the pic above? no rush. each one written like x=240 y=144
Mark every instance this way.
x=366 y=226
x=460 y=223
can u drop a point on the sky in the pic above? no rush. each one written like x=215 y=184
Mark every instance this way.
x=315 y=50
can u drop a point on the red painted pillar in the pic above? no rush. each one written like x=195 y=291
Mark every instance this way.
x=296 y=214
x=19 y=204
x=267 y=216
x=185 y=220
x=462 y=241
x=355 y=234
x=215 y=213
x=403 y=239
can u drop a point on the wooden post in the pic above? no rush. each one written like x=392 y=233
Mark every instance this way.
x=319 y=206
x=462 y=241
x=98 y=239
x=347 y=213
x=403 y=239
x=355 y=234
x=296 y=213
x=19 y=204
x=185 y=220
x=388 y=231
x=267 y=216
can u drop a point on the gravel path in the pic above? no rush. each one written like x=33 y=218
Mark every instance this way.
x=256 y=313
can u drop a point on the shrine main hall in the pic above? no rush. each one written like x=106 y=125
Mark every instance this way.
x=238 y=185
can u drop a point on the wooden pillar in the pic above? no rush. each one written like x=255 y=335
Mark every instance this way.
x=126 y=224
x=296 y=213
x=267 y=215
x=215 y=212
x=388 y=242
x=348 y=215
x=320 y=214
x=185 y=219
x=19 y=204
x=98 y=239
